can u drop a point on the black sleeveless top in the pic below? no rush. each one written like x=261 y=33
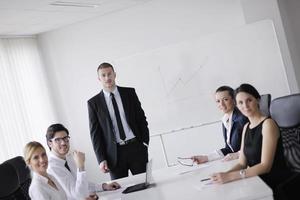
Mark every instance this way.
x=252 y=150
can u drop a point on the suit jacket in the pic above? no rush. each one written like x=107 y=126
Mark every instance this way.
x=101 y=128
x=237 y=125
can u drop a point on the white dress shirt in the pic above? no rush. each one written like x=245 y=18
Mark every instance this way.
x=218 y=154
x=74 y=183
x=128 y=132
x=40 y=189
x=227 y=122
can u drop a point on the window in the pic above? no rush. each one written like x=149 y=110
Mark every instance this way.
x=26 y=109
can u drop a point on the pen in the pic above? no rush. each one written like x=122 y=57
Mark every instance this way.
x=205 y=179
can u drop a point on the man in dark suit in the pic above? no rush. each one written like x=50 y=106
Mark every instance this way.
x=118 y=127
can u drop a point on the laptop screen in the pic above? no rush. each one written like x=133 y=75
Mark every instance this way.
x=144 y=185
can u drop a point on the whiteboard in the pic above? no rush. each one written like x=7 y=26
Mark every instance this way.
x=176 y=83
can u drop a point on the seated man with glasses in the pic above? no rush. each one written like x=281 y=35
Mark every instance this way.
x=69 y=169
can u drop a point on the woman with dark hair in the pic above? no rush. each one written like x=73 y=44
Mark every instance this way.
x=232 y=125
x=261 y=151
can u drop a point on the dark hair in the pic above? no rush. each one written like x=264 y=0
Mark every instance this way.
x=245 y=87
x=226 y=88
x=52 y=129
x=105 y=65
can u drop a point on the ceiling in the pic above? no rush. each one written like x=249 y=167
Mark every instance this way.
x=31 y=17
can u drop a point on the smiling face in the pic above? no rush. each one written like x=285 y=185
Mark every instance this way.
x=224 y=101
x=107 y=78
x=39 y=161
x=247 y=104
x=59 y=144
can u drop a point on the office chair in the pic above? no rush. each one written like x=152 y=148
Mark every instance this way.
x=9 y=182
x=264 y=104
x=15 y=179
x=286 y=112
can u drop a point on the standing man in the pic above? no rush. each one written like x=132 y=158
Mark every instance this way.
x=118 y=127
x=69 y=169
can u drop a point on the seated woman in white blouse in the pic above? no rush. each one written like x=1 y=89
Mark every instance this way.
x=43 y=186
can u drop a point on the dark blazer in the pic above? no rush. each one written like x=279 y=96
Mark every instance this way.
x=238 y=122
x=101 y=128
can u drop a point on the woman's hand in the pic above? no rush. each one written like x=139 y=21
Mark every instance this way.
x=200 y=159
x=231 y=156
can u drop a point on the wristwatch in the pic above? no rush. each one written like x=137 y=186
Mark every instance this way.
x=243 y=173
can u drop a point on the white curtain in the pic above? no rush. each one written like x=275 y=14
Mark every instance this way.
x=25 y=109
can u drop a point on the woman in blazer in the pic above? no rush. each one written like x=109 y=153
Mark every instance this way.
x=233 y=122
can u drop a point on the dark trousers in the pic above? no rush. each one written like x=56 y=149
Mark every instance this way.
x=133 y=157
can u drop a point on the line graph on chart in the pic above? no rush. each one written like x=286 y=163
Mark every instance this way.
x=181 y=86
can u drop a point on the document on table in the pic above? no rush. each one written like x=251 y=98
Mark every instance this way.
x=201 y=185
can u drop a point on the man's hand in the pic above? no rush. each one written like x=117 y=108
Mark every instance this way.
x=103 y=166
x=111 y=186
x=200 y=159
x=79 y=158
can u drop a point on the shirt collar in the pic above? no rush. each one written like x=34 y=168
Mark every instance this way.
x=227 y=118
x=57 y=159
x=115 y=91
x=40 y=177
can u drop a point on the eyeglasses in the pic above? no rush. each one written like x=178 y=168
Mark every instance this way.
x=185 y=161
x=60 y=140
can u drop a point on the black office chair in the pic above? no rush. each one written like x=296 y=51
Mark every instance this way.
x=9 y=182
x=264 y=104
x=286 y=112
x=15 y=179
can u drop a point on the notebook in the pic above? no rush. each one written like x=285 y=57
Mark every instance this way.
x=144 y=185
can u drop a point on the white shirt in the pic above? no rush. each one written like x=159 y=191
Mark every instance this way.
x=218 y=154
x=74 y=183
x=40 y=189
x=227 y=122
x=128 y=132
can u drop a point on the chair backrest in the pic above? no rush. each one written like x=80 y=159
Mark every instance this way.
x=9 y=181
x=286 y=112
x=22 y=172
x=264 y=104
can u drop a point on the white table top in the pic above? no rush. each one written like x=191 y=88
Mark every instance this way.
x=182 y=182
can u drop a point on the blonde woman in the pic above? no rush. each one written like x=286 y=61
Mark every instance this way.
x=43 y=186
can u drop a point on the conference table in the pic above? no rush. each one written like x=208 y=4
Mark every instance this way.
x=184 y=182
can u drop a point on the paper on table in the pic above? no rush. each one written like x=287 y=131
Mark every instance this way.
x=204 y=184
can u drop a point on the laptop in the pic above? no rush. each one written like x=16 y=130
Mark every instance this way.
x=144 y=185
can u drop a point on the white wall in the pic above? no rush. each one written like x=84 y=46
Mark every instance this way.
x=289 y=10
x=73 y=53
x=256 y=10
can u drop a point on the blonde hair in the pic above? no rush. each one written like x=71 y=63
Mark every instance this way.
x=30 y=148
